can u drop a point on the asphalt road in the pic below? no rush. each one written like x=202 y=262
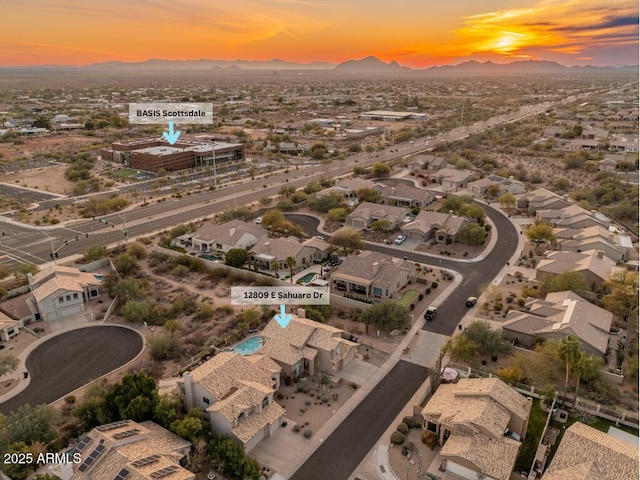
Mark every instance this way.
x=70 y=360
x=342 y=452
x=475 y=274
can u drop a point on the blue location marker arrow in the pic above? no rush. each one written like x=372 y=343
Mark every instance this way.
x=171 y=137
x=283 y=319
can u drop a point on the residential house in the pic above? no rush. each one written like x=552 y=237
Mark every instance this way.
x=432 y=163
x=553 y=131
x=367 y=213
x=128 y=450
x=480 y=187
x=560 y=314
x=479 y=422
x=441 y=227
x=61 y=291
x=220 y=238
x=592 y=132
x=592 y=264
x=627 y=143
x=541 y=199
x=573 y=216
x=584 y=144
x=372 y=275
x=614 y=246
x=355 y=184
x=607 y=164
x=452 y=179
x=235 y=392
x=9 y=327
x=269 y=250
x=306 y=347
x=406 y=196
x=586 y=453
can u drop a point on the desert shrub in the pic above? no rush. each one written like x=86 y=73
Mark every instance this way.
x=403 y=428
x=307 y=433
x=407 y=447
x=411 y=422
x=296 y=428
x=434 y=285
x=325 y=399
x=429 y=438
x=397 y=438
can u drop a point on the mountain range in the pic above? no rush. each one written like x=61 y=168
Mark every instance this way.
x=368 y=64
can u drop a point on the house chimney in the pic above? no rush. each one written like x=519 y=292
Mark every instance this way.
x=593 y=213
x=302 y=313
x=600 y=254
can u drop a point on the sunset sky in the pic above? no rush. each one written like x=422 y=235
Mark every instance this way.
x=415 y=33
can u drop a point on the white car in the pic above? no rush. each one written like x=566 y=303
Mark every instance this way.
x=258 y=220
x=399 y=239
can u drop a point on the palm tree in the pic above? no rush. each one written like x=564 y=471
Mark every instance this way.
x=585 y=367
x=275 y=265
x=569 y=352
x=291 y=262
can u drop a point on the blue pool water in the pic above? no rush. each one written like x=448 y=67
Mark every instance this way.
x=98 y=276
x=249 y=346
x=307 y=278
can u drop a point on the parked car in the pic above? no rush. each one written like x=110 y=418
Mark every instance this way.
x=399 y=239
x=258 y=220
x=431 y=313
x=471 y=301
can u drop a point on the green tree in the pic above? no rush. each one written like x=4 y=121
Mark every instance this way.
x=472 y=211
x=368 y=195
x=381 y=170
x=272 y=218
x=8 y=364
x=291 y=262
x=135 y=397
x=138 y=311
x=472 y=234
x=388 y=315
x=489 y=341
x=507 y=200
x=126 y=265
x=623 y=299
x=167 y=410
x=172 y=326
x=540 y=232
x=130 y=289
x=337 y=214
x=236 y=257
x=234 y=461
x=191 y=426
x=569 y=353
x=18 y=470
x=358 y=170
x=586 y=367
x=381 y=225
x=493 y=190
x=28 y=424
x=324 y=203
x=461 y=348
x=347 y=240
x=164 y=346
x=24 y=270
x=96 y=252
x=137 y=250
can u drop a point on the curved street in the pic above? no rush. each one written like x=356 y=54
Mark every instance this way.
x=68 y=361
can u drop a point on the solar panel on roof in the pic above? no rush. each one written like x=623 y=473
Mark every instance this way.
x=111 y=426
x=164 y=472
x=122 y=474
x=126 y=433
x=84 y=441
x=145 y=461
x=91 y=458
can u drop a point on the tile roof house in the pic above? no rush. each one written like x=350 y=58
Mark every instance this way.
x=126 y=449
x=221 y=238
x=61 y=291
x=479 y=187
x=406 y=196
x=558 y=315
x=307 y=347
x=452 y=179
x=586 y=453
x=9 y=327
x=472 y=419
x=372 y=275
x=594 y=266
x=430 y=162
x=616 y=247
x=368 y=212
x=573 y=216
x=268 y=250
x=441 y=227
x=236 y=394
x=541 y=199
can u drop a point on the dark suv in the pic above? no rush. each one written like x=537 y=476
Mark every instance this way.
x=431 y=313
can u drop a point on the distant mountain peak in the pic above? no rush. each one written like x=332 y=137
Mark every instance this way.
x=370 y=64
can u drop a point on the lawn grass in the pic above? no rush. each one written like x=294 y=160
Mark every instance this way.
x=407 y=297
x=124 y=173
x=535 y=429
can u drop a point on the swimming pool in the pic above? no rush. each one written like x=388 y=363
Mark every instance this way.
x=98 y=276
x=249 y=346
x=307 y=278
